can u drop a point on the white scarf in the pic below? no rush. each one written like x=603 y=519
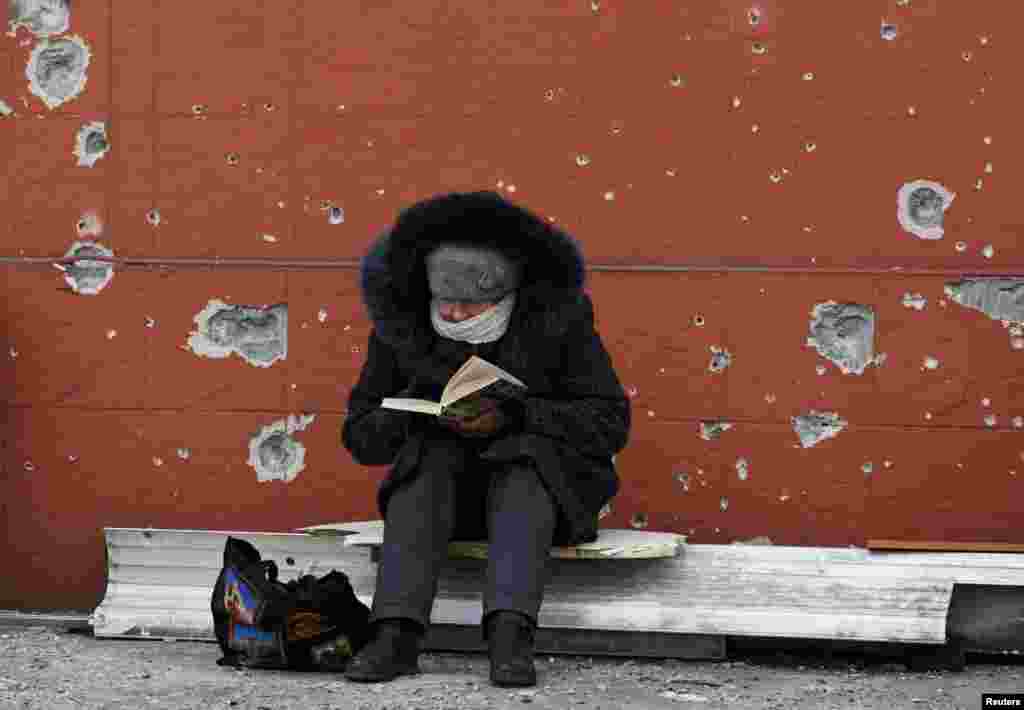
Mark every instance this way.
x=484 y=328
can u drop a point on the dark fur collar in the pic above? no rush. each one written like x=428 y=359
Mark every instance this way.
x=394 y=280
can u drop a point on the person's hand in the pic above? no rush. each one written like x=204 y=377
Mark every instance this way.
x=489 y=421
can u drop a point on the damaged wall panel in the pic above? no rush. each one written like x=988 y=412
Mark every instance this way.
x=766 y=320
x=149 y=485
x=953 y=485
x=755 y=481
x=775 y=176
x=947 y=365
x=246 y=163
x=335 y=164
x=53 y=194
x=327 y=315
x=677 y=371
x=73 y=349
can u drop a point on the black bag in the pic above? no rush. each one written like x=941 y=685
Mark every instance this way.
x=306 y=624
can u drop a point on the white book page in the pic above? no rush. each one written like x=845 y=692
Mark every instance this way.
x=474 y=375
x=468 y=387
x=424 y=406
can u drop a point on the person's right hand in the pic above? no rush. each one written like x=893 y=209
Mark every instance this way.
x=489 y=421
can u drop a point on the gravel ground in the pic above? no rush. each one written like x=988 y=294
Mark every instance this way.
x=47 y=669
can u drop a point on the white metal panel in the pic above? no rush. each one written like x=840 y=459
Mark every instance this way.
x=160 y=583
x=610 y=544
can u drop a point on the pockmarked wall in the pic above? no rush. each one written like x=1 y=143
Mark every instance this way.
x=802 y=221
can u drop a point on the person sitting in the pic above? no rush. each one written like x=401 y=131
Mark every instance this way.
x=457 y=275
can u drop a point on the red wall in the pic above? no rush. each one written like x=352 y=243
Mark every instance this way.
x=371 y=108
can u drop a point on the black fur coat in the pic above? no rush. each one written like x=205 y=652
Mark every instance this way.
x=575 y=415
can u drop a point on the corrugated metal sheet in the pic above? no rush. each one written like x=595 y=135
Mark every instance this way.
x=160 y=583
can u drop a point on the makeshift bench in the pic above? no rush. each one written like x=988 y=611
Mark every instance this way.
x=630 y=593
x=610 y=544
x=610 y=614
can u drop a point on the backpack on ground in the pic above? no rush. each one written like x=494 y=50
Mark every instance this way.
x=309 y=623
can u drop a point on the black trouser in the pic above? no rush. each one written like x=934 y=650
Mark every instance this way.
x=456 y=496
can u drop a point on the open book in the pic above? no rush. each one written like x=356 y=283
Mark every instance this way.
x=476 y=377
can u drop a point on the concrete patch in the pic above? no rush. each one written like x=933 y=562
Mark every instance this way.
x=85 y=276
x=273 y=452
x=920 y=207
x=1000 y=299
x=713 y=429
x=56 y=69
x=91 y=143
x=844 y=333
x=40 y=17
x=257 y=335
x=815 y=427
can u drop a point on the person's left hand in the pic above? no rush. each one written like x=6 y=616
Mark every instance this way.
x=490 y=421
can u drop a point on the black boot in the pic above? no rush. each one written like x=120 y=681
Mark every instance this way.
x=393 y=651
x=510 y=638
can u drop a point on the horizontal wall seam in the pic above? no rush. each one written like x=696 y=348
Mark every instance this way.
x=780 y=423
x=342 y=264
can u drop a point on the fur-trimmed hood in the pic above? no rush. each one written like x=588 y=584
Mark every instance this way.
x=393 y=274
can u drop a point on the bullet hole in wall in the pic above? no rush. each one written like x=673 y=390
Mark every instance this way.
x=720 y=360
x=814 y=427
x=85 y=276
x=921 y=207
x=998 y=298
x=275 y=454
x=257 y=335
x=91 y=143
x=844 y=334
x=710 y=430
x=57 y=69
x=40 y=17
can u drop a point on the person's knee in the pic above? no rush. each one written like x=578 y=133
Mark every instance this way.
x=429 y=492
x=519 y=486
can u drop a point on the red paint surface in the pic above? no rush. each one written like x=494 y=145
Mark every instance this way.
x=370 y=108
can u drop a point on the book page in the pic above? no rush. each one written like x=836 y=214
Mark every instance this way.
x=423 y=406
x=474 y=375
x=468 y=387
